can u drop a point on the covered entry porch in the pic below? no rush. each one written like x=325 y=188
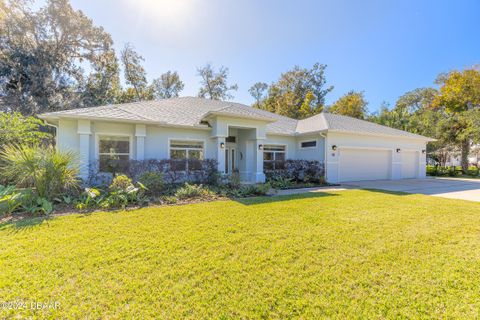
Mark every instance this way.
x=239 y=146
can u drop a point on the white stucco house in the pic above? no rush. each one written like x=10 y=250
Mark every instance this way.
x=239 y=137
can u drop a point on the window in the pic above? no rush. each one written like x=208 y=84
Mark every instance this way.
x=186 y=155
x=114 y=153
x=273 y=157
x=308 y=144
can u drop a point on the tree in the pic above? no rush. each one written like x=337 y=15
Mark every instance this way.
x=42 y=53
x=459 y=100
x=214 y=84
x=299 y=93
x=257 y=91
x=135 y=74
x=168 y=85
x=17 y=129
x=103 y=84
x=352 y=104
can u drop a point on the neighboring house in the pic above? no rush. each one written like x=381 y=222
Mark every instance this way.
x=450 y=156
x=239 y=137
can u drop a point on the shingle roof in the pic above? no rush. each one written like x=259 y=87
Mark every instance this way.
x=190 y=111
x=337 y=123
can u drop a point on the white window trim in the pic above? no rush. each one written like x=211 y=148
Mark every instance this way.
x=309 y=140
x=188 y=140
x=109 y=134
x=275 y=151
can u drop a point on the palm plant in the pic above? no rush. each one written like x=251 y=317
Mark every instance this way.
x=49 y=171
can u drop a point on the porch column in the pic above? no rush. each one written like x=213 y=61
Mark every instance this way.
x=219 y=152
x=140 y=134
x=84 y=132
x=258 y=175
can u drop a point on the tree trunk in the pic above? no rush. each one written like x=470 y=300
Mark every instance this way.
x=465 y=153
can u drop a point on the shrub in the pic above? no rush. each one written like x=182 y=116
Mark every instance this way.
x=10 y=199
x=153 y=182
x=122 y=192
x=298 y=171
x=189 y=191
x=206 y=172
x=48 y=171
x=121 y=183
x=281 y=182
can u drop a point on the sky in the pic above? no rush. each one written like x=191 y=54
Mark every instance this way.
x=384 y=48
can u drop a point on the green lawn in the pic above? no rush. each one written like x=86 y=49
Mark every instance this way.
x=352 y=254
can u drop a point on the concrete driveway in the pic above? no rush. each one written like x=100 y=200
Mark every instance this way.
x=454 y=188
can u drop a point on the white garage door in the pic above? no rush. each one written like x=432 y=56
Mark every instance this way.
x=364 y=164
x=409 y=164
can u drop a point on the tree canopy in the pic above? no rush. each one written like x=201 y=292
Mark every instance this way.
x=352 y=104
x=214 y=83
x=42 y=53
x=168 y=85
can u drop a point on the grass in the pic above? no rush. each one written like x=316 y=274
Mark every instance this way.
x=346 y=254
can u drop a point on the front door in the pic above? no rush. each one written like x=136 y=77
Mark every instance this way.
x=230 y=160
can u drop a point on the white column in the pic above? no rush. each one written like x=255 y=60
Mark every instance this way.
x=396 y=164
x=220 y=152
x=258 y=175
x=140 y=134
x=84 y=132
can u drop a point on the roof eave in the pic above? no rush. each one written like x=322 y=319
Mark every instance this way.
x=148 y=122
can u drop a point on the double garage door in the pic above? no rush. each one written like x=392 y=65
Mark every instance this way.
x=373 y=164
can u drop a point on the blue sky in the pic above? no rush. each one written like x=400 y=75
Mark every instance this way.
x=384 y=48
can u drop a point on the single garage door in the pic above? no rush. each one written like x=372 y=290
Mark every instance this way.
x=409 y=164
x=364 y=164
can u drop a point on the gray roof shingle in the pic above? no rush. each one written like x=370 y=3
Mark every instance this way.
x=190 y=111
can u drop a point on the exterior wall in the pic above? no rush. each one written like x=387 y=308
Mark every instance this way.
x=152 y=142
x=342 y=140
x=288 y=142
x=67 y=137
x=157 y=141
x=315 y=153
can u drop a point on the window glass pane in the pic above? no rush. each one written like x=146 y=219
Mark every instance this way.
x=274 y=148
x=268 y=156
x=186 y=144
x=279 y=156
x=178 y=154
x=113 y=163
x=309 y=144
x=195 y=154
x=114 y=145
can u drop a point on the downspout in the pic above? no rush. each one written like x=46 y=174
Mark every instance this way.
x=324 y=136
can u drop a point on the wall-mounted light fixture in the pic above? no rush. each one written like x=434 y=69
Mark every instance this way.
x=222 y=145
x=260 y=147
x=334 y=147
x=423 y=151
x=398 y=150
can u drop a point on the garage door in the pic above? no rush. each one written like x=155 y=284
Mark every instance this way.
x=364 y=164
x=409 y=164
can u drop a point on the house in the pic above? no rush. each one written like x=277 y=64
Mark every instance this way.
x=239 y=137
